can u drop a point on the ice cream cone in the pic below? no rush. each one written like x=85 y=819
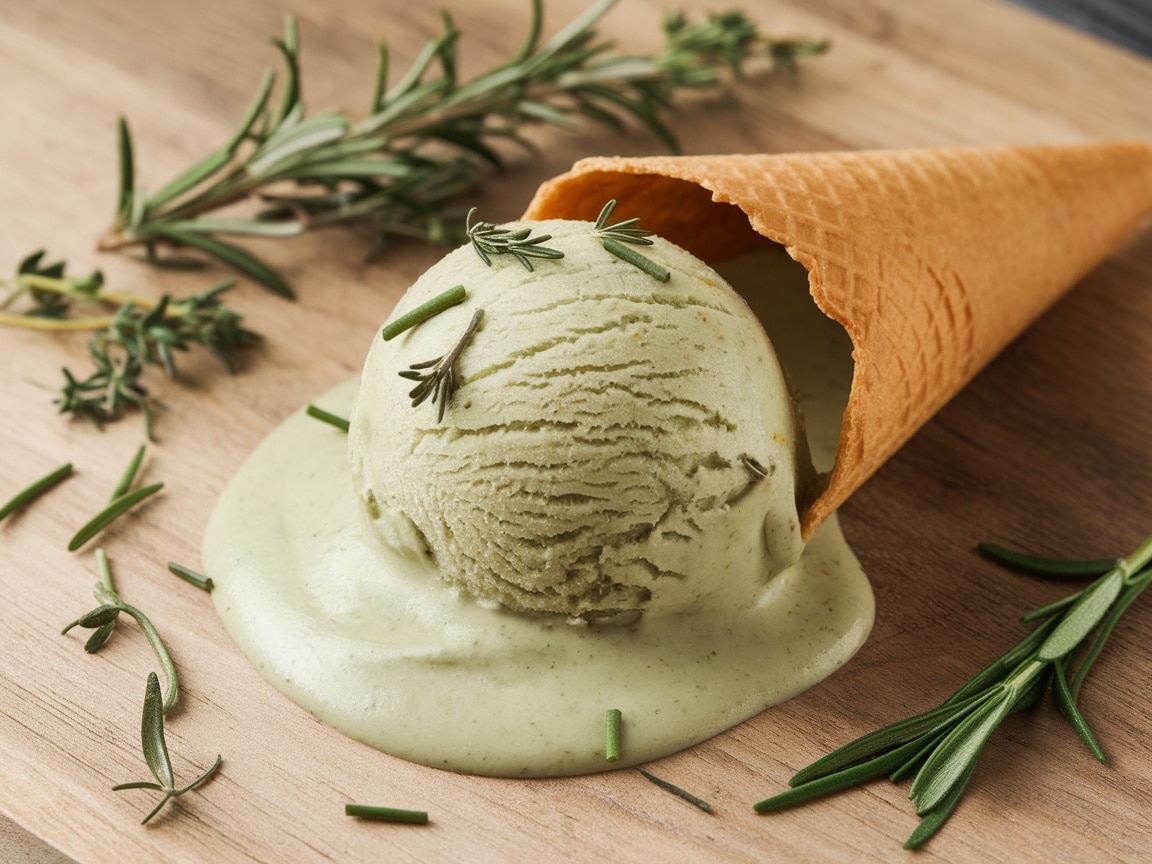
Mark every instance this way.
x=931 y=260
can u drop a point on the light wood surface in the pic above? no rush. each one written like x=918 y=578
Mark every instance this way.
x=1049 y=448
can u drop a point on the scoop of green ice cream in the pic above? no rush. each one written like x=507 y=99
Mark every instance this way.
x=614 y=444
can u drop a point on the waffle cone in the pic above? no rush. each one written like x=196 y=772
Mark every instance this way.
x=931 y=260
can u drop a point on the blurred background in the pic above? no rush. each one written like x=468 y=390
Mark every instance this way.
x=1123 y=22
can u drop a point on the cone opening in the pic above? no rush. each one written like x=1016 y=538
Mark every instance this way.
x=814 y=349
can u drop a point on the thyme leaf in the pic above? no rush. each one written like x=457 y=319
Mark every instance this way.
x=942 y=746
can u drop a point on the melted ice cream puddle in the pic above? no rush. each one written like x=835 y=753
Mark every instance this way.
x=375 y=644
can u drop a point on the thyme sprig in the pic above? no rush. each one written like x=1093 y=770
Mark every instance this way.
x=156 y=753
x=489 y=239
x=102 y=621
x=438 y=377
x=425 y=139
x=942 y=746
x=129 y=333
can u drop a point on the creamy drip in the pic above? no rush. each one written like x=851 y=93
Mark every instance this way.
x=376 y=645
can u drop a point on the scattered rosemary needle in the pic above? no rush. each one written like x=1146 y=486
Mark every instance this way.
x=103 y=618
x=613 y=238
x=386 y=814
x=327 y=417
x=35 y=490
x=129 y=475
x=423 y=312
x=191 y=576
x=612 y=723
x=156 y=753
x=115 y=509
x=941 y=746
x=678 y=792
x=426 y=137
x=489 y=239
x=439 y=381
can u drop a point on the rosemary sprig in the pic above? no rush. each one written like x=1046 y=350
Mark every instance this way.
x=156 y=753
x=439 y=381
x=103 y=619
x=35 y=490
x=426 y=138
x=386 y=814
x=941 y=746
x=489 y=239
x=327 y=417
x=612 y=723
x=613 y=238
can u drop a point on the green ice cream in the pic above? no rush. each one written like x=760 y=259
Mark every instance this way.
x=615 y=444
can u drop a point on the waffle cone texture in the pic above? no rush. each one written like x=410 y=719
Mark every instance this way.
x=931 y=260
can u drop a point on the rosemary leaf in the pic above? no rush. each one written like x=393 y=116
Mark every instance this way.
x=1072 y=568
x=190 y=576
x=110 y=514
x=386 y=814
x=935 y=818
x=127 y=170
x=34 y=491
x=129 y=475
x=612 y=723
x=156 y=753
x=1083 y=617
x=642 y=262
x=423 y=312
x=327 y=417
x=152 y=735
x=241 y=259
x=678 y=792
x=1067 y=705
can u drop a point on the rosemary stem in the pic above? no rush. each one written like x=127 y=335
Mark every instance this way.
x=32 y=322
x=108 y=594
x=423 y=312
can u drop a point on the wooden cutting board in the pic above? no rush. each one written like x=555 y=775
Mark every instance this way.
x=1050 y=448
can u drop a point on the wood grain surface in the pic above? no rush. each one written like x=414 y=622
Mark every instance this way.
x=1049 y=448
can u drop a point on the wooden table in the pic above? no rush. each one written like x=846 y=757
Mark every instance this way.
x=1049 y=448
